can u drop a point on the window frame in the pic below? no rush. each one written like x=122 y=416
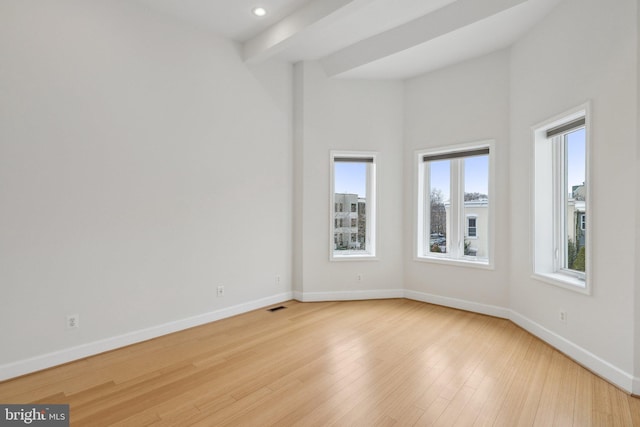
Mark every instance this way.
x=549 y=202
x=371 y=209
x=421 y=197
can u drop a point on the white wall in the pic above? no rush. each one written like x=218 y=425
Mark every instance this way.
x=141 y=165
x=464 y=103
x=346 y=115
x=585 y=50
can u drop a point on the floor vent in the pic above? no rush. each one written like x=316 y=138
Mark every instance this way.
x=280 y=307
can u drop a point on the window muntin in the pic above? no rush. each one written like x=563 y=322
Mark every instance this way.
x=454 y=201
x=353 y=193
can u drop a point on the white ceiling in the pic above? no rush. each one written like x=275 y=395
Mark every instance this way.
x=376 y=39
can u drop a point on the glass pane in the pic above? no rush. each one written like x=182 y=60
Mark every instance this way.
x=439 y=199
x=476 y=206
x=576 y=203
x=350 y=214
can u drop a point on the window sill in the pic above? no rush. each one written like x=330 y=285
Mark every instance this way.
x=353 y=257
x=456 y=262
x=563 y=281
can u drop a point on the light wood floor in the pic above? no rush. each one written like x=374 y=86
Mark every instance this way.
x=364 y=363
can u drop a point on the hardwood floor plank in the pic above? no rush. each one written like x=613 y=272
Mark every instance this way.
x=363 y=363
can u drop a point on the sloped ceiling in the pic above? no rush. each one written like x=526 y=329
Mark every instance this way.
x=374 y=39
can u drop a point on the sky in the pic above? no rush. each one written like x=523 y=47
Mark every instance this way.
x=576 y=158
x=350 y=178
x=476 y=175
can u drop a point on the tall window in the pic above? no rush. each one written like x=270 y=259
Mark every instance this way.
x=353 y=185
x=453 y=205
x=560 y=201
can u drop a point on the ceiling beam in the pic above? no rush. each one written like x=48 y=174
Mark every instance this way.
x=277 y=37
x=428 y=27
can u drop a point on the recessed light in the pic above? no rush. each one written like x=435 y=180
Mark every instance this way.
x=259 y=11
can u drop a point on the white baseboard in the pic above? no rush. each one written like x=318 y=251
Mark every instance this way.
x=348 y=295
x=601 y=367
x=476 y=307
x=587 y=359
x=37 y=363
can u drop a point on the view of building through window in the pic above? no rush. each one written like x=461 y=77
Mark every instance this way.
x=351 y=234
x=574 y=202
x=445 y=175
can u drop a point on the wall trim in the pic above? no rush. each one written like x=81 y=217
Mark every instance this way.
x=582 y=356
x=476 y=307
x=348 y=295
x=601 y=367
x=38 y=363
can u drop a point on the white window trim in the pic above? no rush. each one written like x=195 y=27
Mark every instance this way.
x=419 y=206
x=544 y=242
x=371 y=209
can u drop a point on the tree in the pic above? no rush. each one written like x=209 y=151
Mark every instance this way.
x=438 y=212
x=580 y=260
x=474 y=196
x=571 y=253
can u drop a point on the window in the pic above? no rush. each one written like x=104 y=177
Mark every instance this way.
x=561 y=201
x=353 y=185
x=472 y=227
x=453 y=204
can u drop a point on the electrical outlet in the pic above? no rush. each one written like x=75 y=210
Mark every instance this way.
x=562 y=316
x=359 y=276
x=73 y=321
x=277 y=279
x=220 y=291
